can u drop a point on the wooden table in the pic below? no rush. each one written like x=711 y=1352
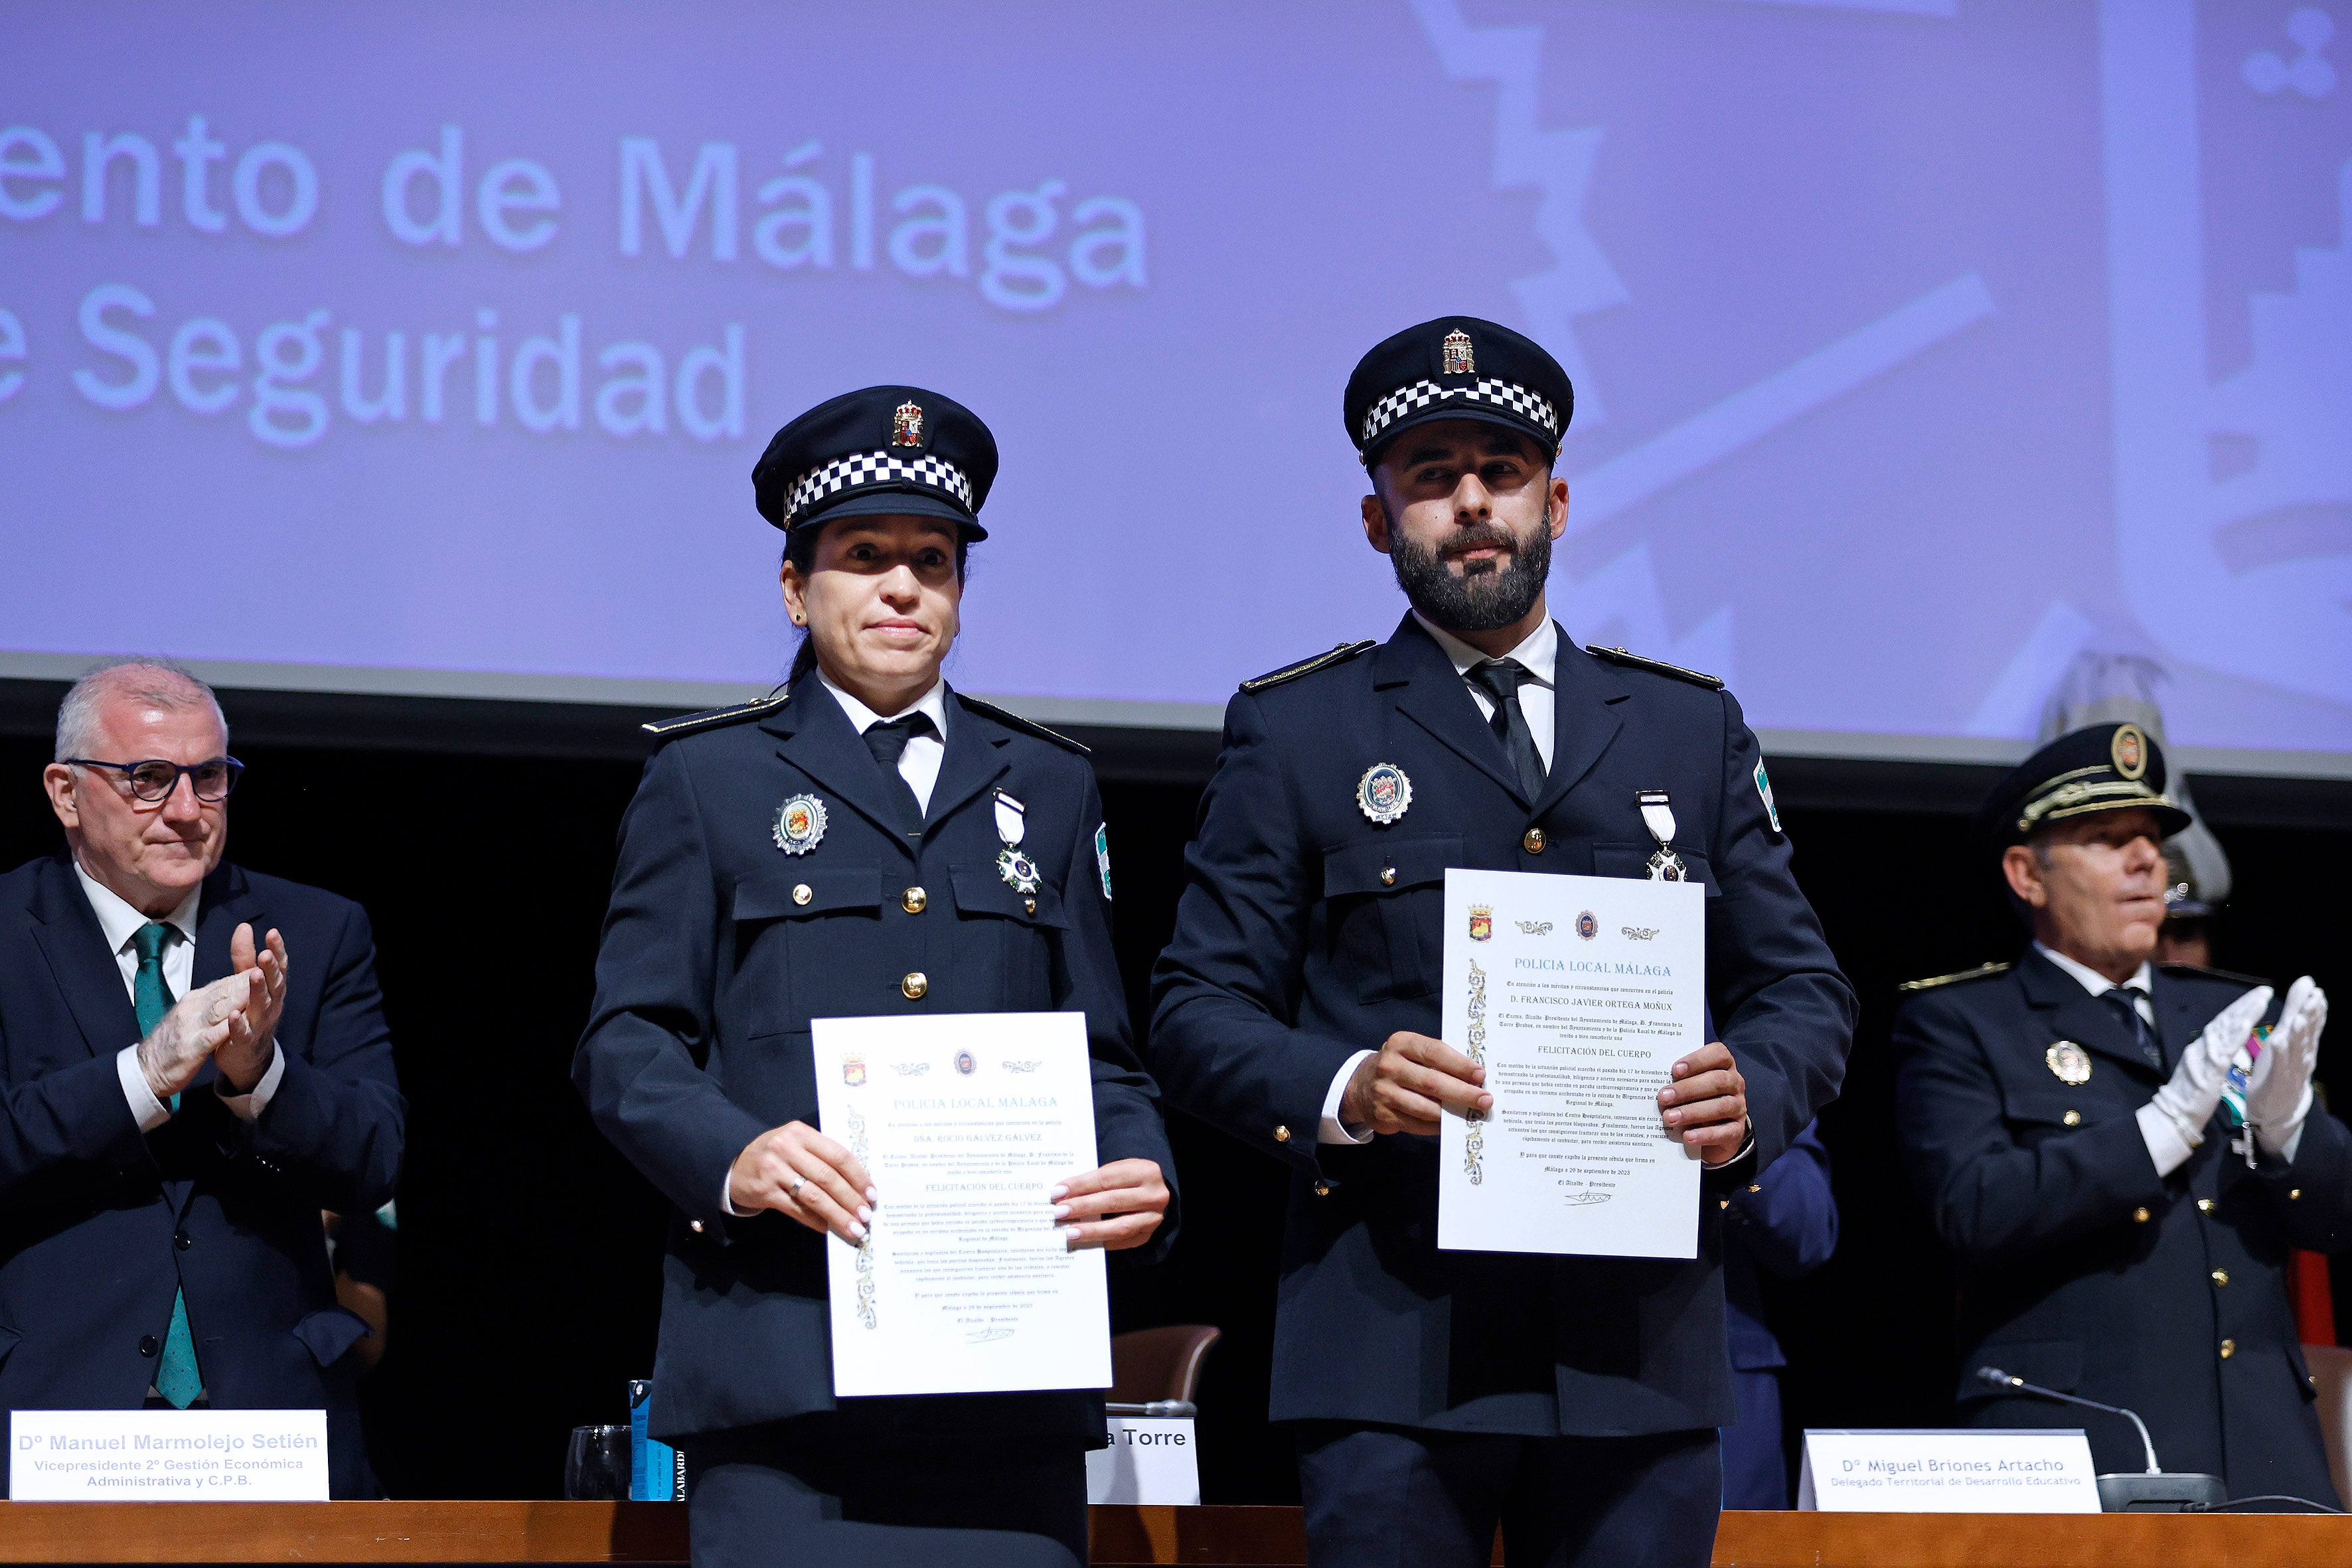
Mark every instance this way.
x=655 y=1532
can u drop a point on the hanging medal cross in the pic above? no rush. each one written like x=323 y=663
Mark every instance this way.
x=1019 y=871
x=1658 y=816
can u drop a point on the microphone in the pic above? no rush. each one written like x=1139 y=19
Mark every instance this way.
x=2154 y=1490
x=1153 y=1407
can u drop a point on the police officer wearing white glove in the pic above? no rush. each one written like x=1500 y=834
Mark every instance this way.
x=2119 y=1156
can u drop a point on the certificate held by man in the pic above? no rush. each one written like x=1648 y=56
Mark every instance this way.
x=964 y=1282
x=1577 y=994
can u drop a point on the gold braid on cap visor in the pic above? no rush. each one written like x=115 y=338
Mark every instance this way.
x=2079 y=795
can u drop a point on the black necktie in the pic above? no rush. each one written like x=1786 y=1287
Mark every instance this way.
x=1499 y=678
x=887 y=741
x=2120 y=999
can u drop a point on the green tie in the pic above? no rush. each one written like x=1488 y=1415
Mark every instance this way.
x=177 y=1378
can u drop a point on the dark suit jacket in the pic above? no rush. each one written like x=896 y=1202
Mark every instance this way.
x=1305 y=933
x=1784 y=1224
x=100 y=1225
x=711 y=968
x=2084 y=1270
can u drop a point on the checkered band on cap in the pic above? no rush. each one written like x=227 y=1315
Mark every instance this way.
x=862 y=469
x=1504 y=394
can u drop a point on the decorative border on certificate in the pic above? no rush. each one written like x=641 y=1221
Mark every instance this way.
x=865 y=1247
x=1473 y=1141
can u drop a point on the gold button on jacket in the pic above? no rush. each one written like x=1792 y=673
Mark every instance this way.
x=914 y=900
x=1535 y=841
x=914 y=986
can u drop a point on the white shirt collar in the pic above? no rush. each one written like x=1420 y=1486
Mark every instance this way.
x=1540 y=653
x=121 y=922
x=931 y=704
x=2092 y=981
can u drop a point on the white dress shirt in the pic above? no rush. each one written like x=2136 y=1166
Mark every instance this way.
x=1540 y=653
x=919 y=764
x=2139 y=987
x=121 y=923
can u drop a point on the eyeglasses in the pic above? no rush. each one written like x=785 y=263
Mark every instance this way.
x=155 y=779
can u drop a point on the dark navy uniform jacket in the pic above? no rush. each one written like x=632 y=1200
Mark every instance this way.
x=718 y=951
x=2084 y=1270
x=1306 y=933
x=101 y=1223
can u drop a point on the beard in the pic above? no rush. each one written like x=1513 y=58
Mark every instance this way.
x=1483 y=598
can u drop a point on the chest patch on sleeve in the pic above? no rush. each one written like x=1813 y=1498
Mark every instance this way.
x=1102 y=856
x=1764 y=788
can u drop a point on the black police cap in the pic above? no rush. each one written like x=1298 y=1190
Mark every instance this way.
x=2106 y=767
x=1457 y=368
x=882 y=449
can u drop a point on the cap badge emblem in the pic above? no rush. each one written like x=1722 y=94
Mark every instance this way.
x=1482 y=922
x=1454 y=357
x=2070 y=1061
x=907 y=425
x=1383 y=794
x=2129 y=749
x=800 y=824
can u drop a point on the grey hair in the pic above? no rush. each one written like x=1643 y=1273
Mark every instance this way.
x=163 y=683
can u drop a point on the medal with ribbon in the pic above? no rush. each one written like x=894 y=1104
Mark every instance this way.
x=1019 y=871
x=1658 y=816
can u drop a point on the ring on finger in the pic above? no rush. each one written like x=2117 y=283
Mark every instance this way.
x=795 y=1189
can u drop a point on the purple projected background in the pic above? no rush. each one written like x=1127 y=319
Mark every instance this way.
x=1920 y=346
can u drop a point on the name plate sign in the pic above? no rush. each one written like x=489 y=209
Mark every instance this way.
x=176 y=1455
x=1946 y=1470
x=1151 y=1460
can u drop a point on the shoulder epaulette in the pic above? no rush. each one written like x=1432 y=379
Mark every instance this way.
x=2229 y=975
x=1340 y=654
x=712 y=718
x=1981 y=972
x=1619 y=656
x=1027 y=726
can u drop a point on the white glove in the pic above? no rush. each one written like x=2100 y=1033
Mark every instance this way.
x=2279 y=1097
x=2173 y=1123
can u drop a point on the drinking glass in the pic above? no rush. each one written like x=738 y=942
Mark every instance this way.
x=596 y=1467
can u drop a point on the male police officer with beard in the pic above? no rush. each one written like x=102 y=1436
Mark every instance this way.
x=1574 y=1399
x=2120 y=1171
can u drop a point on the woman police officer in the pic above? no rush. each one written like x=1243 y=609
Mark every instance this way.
x=866 y=841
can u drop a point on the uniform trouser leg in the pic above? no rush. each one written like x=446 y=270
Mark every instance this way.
x=1755 y=1465
x=754 y=1500
x=1387 y=1497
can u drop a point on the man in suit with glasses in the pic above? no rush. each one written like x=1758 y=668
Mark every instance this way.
x=179 y=1098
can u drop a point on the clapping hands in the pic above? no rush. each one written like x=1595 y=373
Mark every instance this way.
x=234 y=1020
x=2278 y=1098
